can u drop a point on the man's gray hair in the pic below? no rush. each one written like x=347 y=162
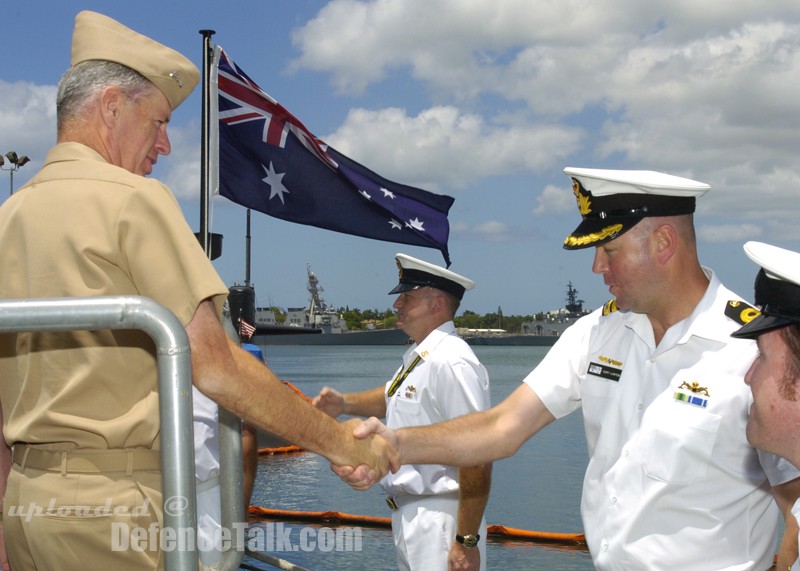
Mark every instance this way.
x=82 y=83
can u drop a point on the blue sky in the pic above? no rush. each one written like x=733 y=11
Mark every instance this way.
x=484 y=100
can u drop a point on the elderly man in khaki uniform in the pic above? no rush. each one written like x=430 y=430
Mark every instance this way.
x=80 y=409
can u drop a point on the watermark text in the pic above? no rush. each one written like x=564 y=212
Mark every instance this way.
x=269 y=537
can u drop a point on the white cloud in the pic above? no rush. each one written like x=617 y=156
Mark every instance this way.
x=705 y=90
x=180 y=170
x=494 y=231
x=443 y=146
x=555 y=200
x=729 y=232
x=28 y=119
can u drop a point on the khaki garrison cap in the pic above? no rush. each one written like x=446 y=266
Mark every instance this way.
x=612 y=202
x=98 y=37
x=416 y=273
x=777 y=289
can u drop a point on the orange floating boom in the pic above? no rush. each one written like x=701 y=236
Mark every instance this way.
x=258 y=512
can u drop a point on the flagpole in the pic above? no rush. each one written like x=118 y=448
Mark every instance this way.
x=247 y=252
x=205 y=129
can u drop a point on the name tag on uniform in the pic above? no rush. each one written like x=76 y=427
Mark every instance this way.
x=605 y=372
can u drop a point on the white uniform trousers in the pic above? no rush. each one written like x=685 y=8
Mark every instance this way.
x=209 y=526
x=424 y=528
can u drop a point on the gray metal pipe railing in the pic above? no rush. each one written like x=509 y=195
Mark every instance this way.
x=231 y=477
x=174 y=385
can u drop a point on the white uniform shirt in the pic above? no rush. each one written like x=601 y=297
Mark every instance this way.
x=448 y=381
x=672 y=482
x=206 y=437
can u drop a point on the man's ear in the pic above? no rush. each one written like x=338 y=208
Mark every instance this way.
x=666 y=242
x=112 y=101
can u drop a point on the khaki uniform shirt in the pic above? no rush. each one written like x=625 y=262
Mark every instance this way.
x=82 y=227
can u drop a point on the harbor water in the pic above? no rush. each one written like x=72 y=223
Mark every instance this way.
x=537 y=489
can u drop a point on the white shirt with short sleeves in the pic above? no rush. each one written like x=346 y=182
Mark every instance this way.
x=448 y=381
x=672 y=482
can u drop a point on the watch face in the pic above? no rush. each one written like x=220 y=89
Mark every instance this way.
x=468 y=540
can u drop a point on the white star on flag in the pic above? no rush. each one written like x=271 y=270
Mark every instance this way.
x=416 y=224
x=387 y=193
x=274 y=180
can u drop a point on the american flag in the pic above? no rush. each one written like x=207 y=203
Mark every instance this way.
x=245 y=329
x=270 y=162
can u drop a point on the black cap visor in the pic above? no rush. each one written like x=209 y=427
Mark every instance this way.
x=761 y=324
x=780 y=306
x=413 y=279
x=400 y=288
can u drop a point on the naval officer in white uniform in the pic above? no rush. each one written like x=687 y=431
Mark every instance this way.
x=437 y=510
x=672 y=482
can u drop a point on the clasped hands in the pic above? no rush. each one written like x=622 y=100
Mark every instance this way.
x=362 y=477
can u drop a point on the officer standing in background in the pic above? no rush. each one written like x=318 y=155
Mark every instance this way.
x=437 y=511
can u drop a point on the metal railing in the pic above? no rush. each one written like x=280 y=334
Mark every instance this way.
x=175 y=403
x=231 y=477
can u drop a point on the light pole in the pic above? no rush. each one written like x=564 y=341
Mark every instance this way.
x=16 y=164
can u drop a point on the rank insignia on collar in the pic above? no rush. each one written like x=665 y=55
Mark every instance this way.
x=610 y=307
x=740 y=311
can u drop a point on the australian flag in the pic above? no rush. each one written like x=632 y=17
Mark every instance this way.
x=270 y=162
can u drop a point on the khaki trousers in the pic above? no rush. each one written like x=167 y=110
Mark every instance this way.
x=57 y=520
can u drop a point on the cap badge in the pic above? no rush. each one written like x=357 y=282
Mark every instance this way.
x=174 y=75
x=583 y=200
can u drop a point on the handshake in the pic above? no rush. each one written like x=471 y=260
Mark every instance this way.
x=380 y=448
x=382 y=452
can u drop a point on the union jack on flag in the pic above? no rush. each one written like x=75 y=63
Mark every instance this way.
x=254 y=104
x=269 y=161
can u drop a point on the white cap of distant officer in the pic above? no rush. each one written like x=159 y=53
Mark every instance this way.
x=416 y=273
